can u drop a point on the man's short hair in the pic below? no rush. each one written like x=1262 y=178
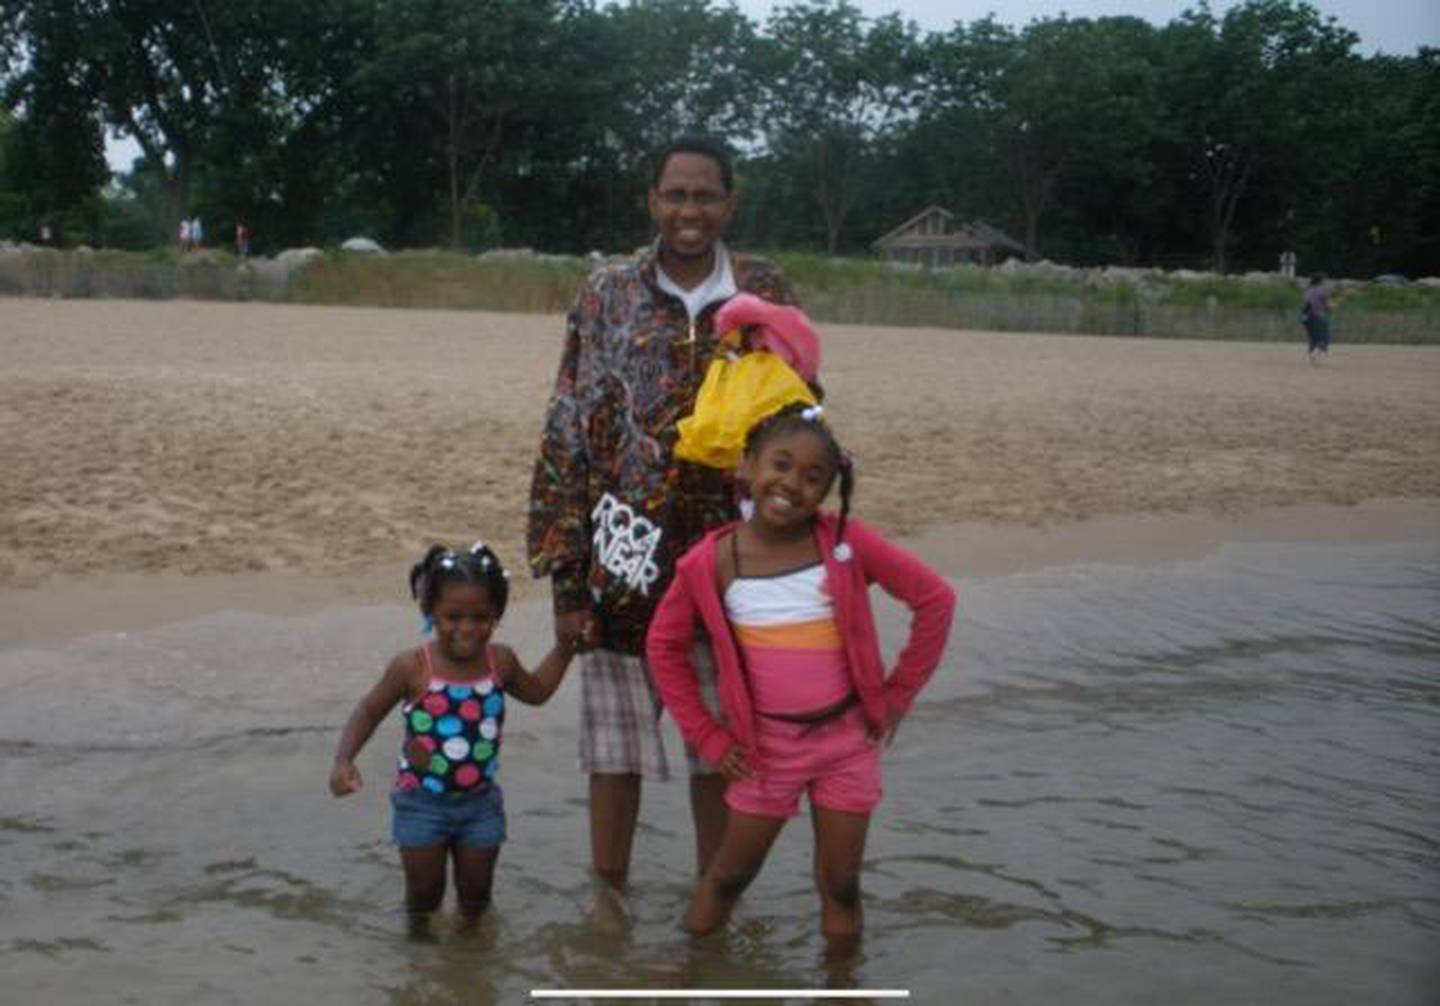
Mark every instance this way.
x=695 y=143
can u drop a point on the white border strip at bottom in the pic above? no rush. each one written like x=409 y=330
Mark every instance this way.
x=719 y=994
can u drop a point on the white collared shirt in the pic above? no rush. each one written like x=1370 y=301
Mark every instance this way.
x=718 y=286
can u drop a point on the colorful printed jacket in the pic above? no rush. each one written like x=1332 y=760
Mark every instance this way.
x=611 y=508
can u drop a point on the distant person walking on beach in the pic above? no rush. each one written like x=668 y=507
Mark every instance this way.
x=611 y=507
x=782 y=601
x=1315 y=316
x=185 y=234
x=242 y=239
x=451 y=692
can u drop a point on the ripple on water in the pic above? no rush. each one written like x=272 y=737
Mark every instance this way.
x=1211 y=778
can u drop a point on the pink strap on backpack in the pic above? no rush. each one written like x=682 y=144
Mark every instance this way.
x=787 y=332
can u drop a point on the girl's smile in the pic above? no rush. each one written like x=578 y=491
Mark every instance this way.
x=464 y=619
x=789 y=477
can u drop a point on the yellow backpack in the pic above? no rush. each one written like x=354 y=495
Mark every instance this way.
x=739 y=390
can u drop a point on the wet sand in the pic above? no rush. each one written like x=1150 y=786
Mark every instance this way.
x=183 y=457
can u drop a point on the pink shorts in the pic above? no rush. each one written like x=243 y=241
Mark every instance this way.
x=835 y=762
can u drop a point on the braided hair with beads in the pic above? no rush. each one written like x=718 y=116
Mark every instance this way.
x=441 y=565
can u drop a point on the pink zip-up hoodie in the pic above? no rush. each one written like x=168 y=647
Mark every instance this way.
x=864 y=558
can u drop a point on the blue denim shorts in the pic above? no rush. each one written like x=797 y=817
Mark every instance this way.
x=424 y=820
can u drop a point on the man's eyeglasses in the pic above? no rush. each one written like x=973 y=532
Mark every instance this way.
x=703 y=198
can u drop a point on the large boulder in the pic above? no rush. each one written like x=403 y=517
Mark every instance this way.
x=294 y=257
x=277 y=271
x=362 y=244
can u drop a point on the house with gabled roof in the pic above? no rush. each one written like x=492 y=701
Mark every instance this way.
x=936 y=239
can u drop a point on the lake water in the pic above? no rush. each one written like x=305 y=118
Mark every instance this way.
x=1211 y=781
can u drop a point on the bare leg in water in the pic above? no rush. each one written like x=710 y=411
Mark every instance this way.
x=742 y=852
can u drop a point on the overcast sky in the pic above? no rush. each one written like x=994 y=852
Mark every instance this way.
x=1393 y=26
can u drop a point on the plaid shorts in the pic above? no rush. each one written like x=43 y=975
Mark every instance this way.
x=620 y=715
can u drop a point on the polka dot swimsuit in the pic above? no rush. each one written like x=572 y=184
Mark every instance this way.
x=452 y=733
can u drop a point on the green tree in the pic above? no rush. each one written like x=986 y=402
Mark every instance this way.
x=14 y=205
x=1370 y=202
x=652 y=70
x=1248 y=94
x=1418 y=145
x=672 y=67
x=832 y=87
x=470 y=72
x=1110 y=186
x=207 y=90
x=1059 y=113
x=56 y=148
x=950 y=154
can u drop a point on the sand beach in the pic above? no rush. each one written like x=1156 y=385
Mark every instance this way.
x=214 y=454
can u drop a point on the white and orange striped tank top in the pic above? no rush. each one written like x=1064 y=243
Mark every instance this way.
x=785 y=625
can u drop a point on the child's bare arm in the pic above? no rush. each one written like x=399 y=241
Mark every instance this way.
x=534 y=688
x=392 y=687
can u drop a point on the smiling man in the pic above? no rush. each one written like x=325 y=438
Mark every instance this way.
x=691 y=203
x=611 y=508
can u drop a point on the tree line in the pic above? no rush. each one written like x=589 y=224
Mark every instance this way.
x=1211 y=141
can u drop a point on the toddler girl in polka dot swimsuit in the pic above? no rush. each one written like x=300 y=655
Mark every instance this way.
x=451 y=693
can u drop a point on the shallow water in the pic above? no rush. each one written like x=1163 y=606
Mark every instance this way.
x=1212 y=781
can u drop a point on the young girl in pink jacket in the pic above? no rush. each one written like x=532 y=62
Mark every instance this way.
x=782 y=600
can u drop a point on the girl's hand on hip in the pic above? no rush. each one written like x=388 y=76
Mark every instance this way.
x=886 y=734
x=735 y=765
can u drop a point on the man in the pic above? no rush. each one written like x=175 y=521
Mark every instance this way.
x=1315 y=316
x=611 y=508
